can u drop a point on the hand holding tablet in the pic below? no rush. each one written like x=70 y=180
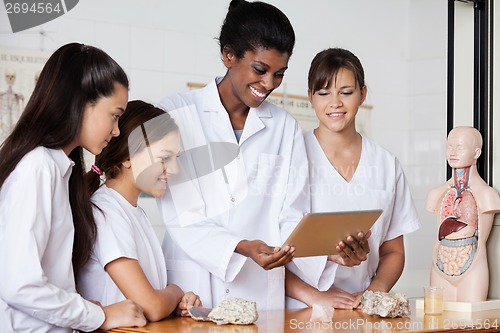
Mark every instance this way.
x=318 y=234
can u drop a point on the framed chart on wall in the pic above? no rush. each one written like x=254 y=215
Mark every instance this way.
x=19 y=70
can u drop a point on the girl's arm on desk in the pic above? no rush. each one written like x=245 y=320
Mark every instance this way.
x=157 y=304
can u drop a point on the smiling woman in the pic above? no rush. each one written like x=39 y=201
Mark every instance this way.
x=231 y=222
x=250 y=80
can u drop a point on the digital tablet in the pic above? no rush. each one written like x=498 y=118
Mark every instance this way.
x=317 y=234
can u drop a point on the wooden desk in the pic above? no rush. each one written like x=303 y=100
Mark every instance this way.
x=297 y=321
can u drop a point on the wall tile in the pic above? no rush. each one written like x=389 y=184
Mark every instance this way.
x=428 y=76
x=76 y=30
x=146 y=85
x=179 y=52
x=114 y=40
x=147 y=49
x=207 y=57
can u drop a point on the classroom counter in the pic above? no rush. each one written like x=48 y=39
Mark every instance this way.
x=297 y=321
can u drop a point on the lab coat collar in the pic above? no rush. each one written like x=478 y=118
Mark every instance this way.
x=63 y=162
x=221 y=122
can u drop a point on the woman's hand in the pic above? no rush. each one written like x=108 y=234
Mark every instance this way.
x=353 y=251
x=264 y=255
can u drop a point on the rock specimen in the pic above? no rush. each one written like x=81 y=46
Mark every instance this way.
x=235 y=311
x=229 y=311
x=390 y=305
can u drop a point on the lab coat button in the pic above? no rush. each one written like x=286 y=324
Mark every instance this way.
x=232 y=199
x=227 y=291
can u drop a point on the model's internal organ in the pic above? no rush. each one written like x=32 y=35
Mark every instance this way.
x=454 y=260
x=458 y=210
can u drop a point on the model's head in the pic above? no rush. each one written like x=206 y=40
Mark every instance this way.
x=252 y=25
x=147 y=146
x=328 y=63
x=463 y=147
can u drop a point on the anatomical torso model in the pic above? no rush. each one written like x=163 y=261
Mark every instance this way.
x=465 y=207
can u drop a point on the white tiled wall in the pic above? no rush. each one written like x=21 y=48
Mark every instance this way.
x=402 y=43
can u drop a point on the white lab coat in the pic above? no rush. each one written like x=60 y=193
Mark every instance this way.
x=378 y=183
x=261 y=193
x=123 y=231
x=37 y=287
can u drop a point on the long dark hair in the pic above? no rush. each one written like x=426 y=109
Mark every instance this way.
x=139 y=119
x=73 y=76
x=250 y=25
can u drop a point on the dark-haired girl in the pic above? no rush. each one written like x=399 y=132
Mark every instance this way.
x=46 y=224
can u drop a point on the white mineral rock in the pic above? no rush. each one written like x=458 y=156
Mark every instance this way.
x=234 y=311
x=385 y=304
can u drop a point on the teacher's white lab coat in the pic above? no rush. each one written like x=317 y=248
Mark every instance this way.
x=258 y=189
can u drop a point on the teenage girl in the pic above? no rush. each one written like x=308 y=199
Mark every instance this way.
x=366 y=176
x=45 y=214
x=127 y=260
